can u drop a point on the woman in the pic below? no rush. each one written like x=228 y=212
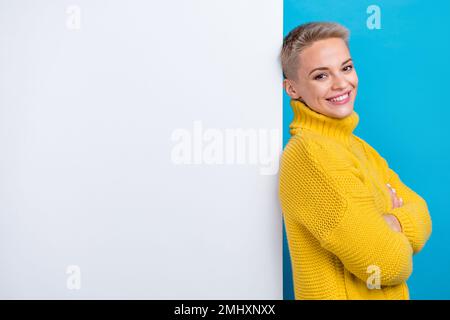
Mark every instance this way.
x=352 y=225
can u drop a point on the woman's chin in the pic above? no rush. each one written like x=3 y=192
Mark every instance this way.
x=339 y=111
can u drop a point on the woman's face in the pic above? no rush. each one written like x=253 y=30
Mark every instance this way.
x=327 y=80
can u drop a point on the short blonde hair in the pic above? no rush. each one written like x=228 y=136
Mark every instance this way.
x=303 y=36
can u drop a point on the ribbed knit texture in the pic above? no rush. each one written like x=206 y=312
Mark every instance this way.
x=332 y=191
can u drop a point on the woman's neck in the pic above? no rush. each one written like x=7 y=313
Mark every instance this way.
x=307 y=119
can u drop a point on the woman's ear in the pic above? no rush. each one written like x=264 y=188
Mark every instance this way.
x=290 y=89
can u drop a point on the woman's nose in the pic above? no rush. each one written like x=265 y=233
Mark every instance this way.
x=339 y=82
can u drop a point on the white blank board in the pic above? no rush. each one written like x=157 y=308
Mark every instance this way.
x=139 y=145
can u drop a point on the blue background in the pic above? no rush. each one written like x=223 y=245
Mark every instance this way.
x=404 y=104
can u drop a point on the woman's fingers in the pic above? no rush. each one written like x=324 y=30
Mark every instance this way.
x=396 y=201
x=391 y=192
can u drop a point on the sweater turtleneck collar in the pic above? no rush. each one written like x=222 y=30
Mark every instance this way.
x=306 y=118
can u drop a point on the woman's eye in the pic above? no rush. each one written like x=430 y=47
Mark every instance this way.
x=320 y=76
x=348 y=68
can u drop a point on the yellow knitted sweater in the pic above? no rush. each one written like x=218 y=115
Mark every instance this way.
x=332 y=191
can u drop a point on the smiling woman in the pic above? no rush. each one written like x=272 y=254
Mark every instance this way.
x=352 y=225
x=321 y=72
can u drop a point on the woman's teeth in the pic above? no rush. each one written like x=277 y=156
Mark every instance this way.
x=340 y=98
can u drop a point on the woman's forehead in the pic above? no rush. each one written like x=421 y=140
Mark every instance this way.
x=328 y=53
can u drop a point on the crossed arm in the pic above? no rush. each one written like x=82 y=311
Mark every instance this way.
x=409 y=213
x=328 y=196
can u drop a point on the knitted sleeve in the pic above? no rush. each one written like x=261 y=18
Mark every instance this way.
x=323 y=191
x=413 y=215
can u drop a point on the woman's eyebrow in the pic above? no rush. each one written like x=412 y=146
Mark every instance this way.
x=325 y=68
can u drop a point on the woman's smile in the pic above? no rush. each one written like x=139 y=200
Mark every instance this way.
x=340 y=99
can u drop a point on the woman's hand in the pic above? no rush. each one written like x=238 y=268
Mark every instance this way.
x=397 y=202
x=393 y=222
